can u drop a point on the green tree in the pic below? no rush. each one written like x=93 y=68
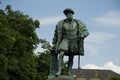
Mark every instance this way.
x=43 y=60
x=17 y=42
x=115 y=78
x=43 y=66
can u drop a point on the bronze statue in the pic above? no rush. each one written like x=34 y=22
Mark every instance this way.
x=68 y=40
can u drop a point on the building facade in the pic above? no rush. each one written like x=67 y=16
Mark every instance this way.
x=93 y=74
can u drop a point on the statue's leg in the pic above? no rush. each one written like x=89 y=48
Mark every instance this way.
x=70 y=64
x=61 y=55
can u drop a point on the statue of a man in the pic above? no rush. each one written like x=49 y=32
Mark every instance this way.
x=68 y=39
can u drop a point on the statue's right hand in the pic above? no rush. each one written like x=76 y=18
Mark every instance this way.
x=55 y=47
x=52 y=50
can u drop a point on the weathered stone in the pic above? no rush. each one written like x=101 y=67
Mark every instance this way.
x=62 y=78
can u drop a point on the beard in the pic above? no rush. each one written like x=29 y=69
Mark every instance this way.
x=70 y=19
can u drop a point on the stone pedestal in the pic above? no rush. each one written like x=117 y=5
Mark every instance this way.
x=62 y=78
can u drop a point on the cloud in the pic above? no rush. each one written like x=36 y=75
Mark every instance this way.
x=107 y=66
x=100 y=37
x=112 y=66
x=94 y=42
x=50 y=20
x=92 y=66
x=110 y=19
x=38 y=49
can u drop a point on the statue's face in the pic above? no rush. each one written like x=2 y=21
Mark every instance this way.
x=69 y=16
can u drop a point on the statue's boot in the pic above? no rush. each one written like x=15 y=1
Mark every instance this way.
x=69 y=72
x=59 y=68
x=58 y=73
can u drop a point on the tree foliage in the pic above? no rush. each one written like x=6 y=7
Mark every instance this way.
x=115 y=78
x=17 y=42
x=43 y=66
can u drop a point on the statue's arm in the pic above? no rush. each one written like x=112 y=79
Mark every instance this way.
x=57 y=36
x=83 y=30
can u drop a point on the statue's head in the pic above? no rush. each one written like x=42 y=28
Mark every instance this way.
x=68 y=10
x=69 y=13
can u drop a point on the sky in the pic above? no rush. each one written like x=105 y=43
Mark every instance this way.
x=102 y=18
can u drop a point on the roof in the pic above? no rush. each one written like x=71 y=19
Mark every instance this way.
x=93 y=73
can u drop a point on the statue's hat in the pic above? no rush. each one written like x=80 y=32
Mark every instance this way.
x=67 y=10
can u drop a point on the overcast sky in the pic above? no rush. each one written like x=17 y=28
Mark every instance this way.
x=102 y=18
